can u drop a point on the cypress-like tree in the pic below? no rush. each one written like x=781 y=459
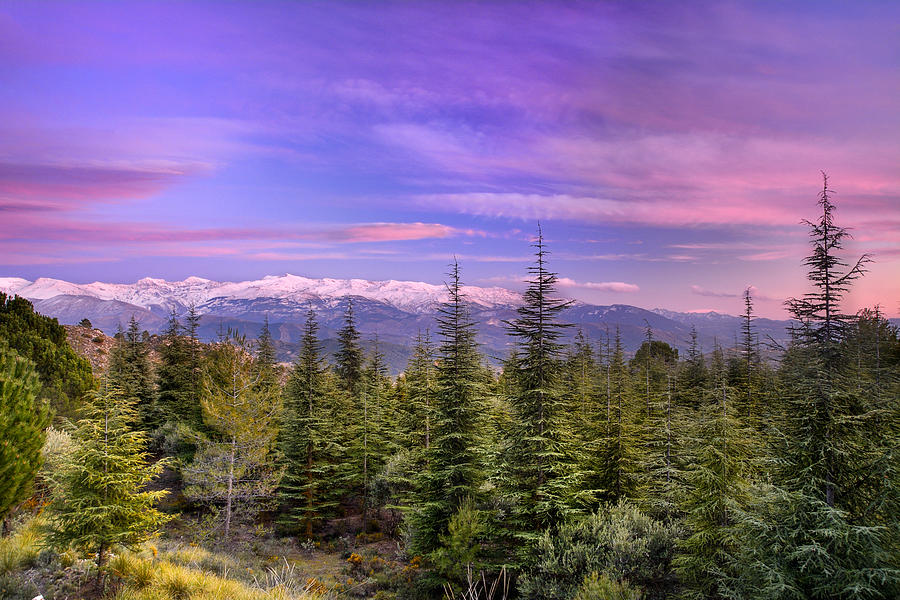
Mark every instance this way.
x=310 y=487
x=23 y=421
x=453 y=471
x=542 y=479
x=105 y=503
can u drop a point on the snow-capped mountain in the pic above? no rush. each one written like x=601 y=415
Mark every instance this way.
x=154 y=294
x=394 y=312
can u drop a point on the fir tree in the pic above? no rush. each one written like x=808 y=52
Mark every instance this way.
x=750 y=355
x=542 y=478
x=819 y=540
x=266 y=361
x=23 y=420
x=713 y=498
x=453 y=471
x=175 y=378
x=622 y=457
x=130 y=371
x=349 y=357
x=310 y=487
x=104 y=503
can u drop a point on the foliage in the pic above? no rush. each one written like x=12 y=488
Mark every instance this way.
x=64 y=375
x=104 y=503
x=130 y=372
x=312 y=483
x=600 y=587
x=23 y=420
x=234 y=466
x=617 y=541
x=452 y=470
x=541 y=479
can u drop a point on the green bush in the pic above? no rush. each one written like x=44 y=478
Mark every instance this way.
x=618 y=542
x=601 y=587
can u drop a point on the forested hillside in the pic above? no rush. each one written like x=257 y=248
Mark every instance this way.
x=575 y=471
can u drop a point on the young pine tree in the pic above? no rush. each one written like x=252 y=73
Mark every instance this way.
x=23 y=422
x=104 y=503
x=234 y=468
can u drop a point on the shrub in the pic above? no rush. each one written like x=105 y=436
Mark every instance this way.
x=619 y=542
x=601 y=587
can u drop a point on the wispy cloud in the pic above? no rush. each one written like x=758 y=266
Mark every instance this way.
x=618 y=287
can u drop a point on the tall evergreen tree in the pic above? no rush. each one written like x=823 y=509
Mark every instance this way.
x=311 y=485
x=349 y=357
x=175 y=378
x=105 y=503
x=828 y=544
x=131 y=372
x=24 y=417
x=453 y=471
x=714 y=497
x=266 y=361
x=542 y=478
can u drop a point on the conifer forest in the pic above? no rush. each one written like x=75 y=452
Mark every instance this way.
x=449 y=300
x=573 y=470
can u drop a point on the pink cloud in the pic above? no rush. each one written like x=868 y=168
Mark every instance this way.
x=53 y=186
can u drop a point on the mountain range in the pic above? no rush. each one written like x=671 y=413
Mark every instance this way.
x=394 y=312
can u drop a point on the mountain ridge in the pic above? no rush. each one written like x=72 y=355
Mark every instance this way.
x=391 y=311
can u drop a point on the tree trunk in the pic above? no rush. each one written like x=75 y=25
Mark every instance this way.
x=230 y=488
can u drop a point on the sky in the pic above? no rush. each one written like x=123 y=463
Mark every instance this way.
x=669 y=151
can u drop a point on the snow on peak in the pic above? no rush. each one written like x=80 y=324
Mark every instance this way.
x=410 y=296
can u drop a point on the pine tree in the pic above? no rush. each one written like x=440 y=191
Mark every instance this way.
x=174 y=377
x=104 y=503
x=819 y=541
x=23 y=422
x=235 y=467
x=130 y=371
x=623 y=458
x=349 y=357
x=266 y=361
x=453 y=471
x=542 y=478
x=65 y=376
x=311 y=485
